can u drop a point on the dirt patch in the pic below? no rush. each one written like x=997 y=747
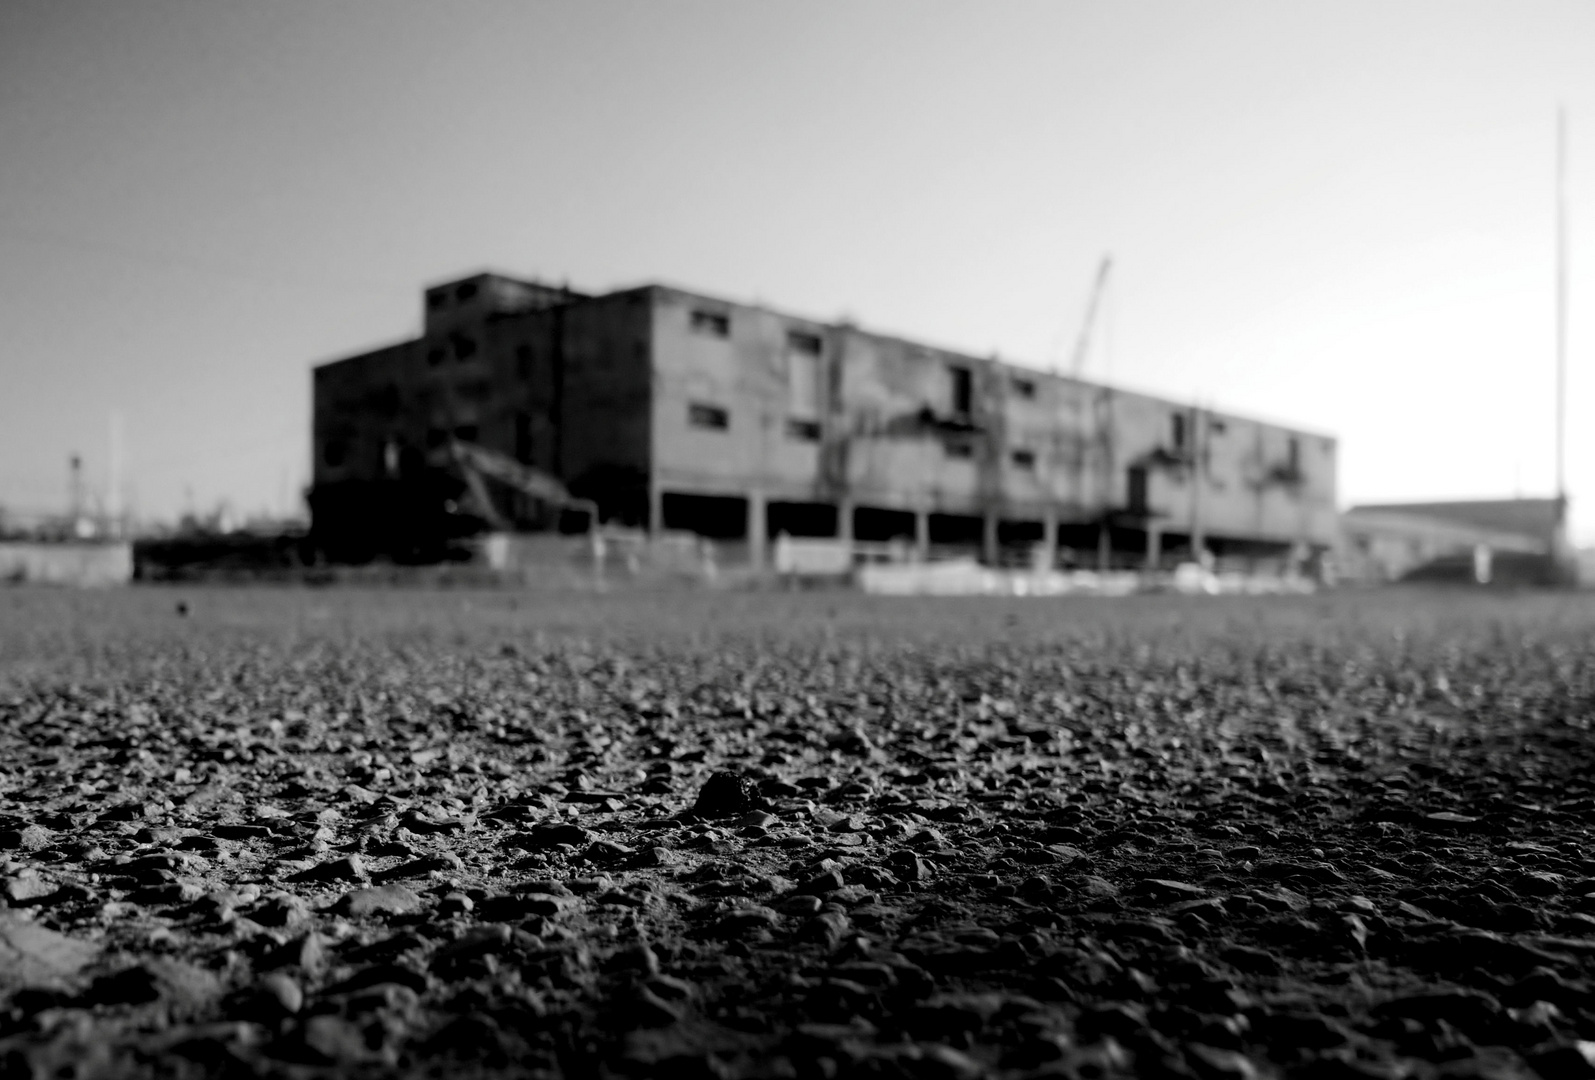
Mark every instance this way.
x=295 y=832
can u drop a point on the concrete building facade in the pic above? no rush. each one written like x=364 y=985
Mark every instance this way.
x=677 y=410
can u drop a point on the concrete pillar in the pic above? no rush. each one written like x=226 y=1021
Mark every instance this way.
x=988 y=539
x=1154 y=544
x=922 y=534
x=757 y=530
x=1049 y=538
x=844 y=519
x=656 y=509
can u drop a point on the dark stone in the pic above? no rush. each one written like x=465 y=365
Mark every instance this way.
x=725 y=794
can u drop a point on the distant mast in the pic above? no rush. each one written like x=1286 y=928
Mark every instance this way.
x=1561 y=310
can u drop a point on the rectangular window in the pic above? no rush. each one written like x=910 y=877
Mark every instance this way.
x=1293 y=456
x=1137 y=489
x=712 y=417
x=465 y=433
x=963 y=390
x=960 y=450
x=434 y=356
x=713 y=323
x=807 y=344
x=803 y=384
x=1179 y=433
x=1024 y=388
x=523 y=361
x=437 y=300
x=1023 y=459
x=464 y=347
x=803 y=430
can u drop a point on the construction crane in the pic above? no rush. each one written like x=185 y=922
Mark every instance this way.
x=1083 y=345
x=476 y=464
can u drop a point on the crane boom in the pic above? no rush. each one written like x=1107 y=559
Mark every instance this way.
x=476 y=462
x=1083 y=345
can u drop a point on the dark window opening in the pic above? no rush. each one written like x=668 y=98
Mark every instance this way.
x=464 y=292
x=464 y=347
x=962 y=529
x=713 y=323
x=801 y=519
x=1025 y=388
x=1293 y=456
x=712 y=417
x=720 y=517
x=478 y=390
x=335 y=452
x=803 y=430
x=465 y=433
x=1138 y=489
x=1180 y=432
x=523 y=361
x=1217 y=427
x=1023 y=459
x=873 y=524
x=437 y=300
x=963 y=386
x=436 y=437
x=434 y=357
x=959 y=449
x=801 y=342
x=1011 y=532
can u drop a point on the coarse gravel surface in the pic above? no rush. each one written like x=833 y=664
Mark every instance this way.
x=299 y=832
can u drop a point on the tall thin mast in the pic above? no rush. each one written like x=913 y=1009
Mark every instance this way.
x=1561 y=307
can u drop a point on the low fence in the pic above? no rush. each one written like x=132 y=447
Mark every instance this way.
x=66 y=562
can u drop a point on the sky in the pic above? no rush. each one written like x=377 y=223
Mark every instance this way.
x=1336 y=215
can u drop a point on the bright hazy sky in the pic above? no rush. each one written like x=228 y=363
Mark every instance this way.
x=1338 y=215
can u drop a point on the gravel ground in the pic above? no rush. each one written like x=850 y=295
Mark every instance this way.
x=299 y=833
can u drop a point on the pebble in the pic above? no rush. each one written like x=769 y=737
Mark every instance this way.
x=379 y=900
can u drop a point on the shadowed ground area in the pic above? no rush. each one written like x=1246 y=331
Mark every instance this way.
x=294 y=832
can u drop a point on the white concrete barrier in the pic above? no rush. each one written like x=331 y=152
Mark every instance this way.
x=68 y=562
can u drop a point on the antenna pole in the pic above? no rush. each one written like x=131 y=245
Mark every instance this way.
x=1561 y=303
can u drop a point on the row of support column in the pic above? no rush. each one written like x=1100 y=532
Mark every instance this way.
x=758 y=538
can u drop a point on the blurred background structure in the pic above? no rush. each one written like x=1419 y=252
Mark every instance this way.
x=678 y=411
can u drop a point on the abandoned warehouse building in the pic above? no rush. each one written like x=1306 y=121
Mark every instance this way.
x=671 y=410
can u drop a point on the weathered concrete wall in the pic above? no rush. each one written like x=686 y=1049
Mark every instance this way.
x=1029 y=443
x=66 y=563
x=657 y=390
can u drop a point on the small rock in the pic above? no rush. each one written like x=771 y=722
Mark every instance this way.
x=455 y=903
x=606 y=851
x=350 y=868
x=25 y=887
x=32 y=956
x=723 y=795
x=825 y=882
x=28 y=838
x=335 y=1040
x=379 y=900
x=1168 y=890
x=828 y=928
x=307 y=952
x=280 y=909
x=275 y=997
